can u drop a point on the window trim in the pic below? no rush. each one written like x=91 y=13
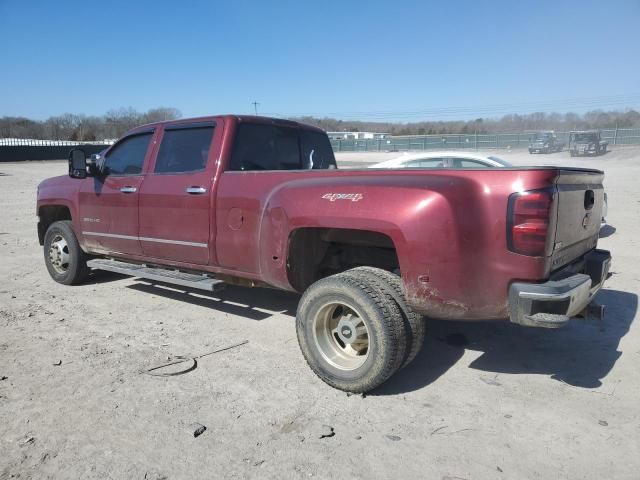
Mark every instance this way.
x=184 y=126
x=148 y=131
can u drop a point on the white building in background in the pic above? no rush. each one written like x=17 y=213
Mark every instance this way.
x=356 y=135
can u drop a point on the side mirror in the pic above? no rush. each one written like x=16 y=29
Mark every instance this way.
x=77 y=163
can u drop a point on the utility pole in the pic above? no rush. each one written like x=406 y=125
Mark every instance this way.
x=255 y=107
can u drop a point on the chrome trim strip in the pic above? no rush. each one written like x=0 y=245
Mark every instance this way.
x=110 y=235
x=173 y=242
x=146 y=239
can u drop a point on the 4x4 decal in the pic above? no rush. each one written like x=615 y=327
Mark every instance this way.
x=332 y=197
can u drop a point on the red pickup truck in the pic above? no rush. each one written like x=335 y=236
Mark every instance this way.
x=259 y=202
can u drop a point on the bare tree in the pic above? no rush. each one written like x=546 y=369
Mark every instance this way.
x=161 y=114
x=116 y=122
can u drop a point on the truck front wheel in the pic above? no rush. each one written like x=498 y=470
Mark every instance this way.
x=350 y=332
x=65 y=260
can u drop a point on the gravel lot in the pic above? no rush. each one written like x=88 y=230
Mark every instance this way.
x=487 y=400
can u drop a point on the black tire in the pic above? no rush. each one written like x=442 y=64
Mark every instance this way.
x=415 y=327
x=383 y=320
x=76 y=269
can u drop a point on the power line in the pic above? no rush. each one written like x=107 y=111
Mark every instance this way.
x=255 y=107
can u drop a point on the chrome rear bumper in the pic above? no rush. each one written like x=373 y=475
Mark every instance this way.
x=553 y=303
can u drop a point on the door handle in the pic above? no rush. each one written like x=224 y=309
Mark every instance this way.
x=196 y=190
x=128 y=189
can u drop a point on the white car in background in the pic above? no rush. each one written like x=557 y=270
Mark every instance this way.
x=443 y=159
x=452 y=159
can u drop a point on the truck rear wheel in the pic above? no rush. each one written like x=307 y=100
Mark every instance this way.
x=65 y=260
x=351 y=333
x=414 y=323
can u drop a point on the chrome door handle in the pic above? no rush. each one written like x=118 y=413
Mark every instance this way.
x=128 y=189
x=196 y=190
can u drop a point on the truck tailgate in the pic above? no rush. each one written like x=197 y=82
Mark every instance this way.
x=580 y=199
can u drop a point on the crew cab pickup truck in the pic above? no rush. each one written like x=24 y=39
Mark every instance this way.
x=545 y=142
x=587 y=142
x=259 y=202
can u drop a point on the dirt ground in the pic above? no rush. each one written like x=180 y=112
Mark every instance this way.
x=488 y=400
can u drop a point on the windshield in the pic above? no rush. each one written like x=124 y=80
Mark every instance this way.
x=542 y=136
x=502 y=162
x=584 y=137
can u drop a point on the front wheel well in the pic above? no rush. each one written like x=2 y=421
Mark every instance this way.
x=315 y=253
x=48 y=214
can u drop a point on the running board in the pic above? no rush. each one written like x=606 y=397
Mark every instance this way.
x=191 y=280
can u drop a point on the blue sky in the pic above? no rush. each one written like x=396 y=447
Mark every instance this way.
x=380 y=60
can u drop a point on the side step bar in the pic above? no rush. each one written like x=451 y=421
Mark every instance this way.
x=191 y=280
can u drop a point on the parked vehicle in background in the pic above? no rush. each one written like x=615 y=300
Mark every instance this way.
x=456 y=159
x=444 y=159
x=545 y=142
x=256 y=201
x=588 y=142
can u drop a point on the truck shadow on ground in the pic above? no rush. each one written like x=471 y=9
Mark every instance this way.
x=252 y=303
x=607 y=231
x=580 y=354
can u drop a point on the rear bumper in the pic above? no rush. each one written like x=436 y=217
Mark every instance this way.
x=553 y=303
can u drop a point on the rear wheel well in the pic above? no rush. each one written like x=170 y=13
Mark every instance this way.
x=315 y=253
x=49 y=214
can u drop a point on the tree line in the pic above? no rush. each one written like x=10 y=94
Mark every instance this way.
x=69 y=126
x=512 y=123
x=115 y=123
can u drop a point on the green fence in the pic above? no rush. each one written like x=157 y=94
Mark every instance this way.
x=615 y=136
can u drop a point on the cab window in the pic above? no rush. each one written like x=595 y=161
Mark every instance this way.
x=127 y=156
x=317 y=152
x=266 y=147
x=184 y=149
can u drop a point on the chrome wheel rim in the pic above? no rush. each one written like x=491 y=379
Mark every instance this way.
x=59 y=254
x=341 y=335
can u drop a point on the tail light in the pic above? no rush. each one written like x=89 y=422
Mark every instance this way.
x=529 y=214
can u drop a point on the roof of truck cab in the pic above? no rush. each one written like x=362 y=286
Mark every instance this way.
x=236 y=118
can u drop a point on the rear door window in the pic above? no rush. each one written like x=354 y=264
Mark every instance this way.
x=266 y=147
x=184 y=149
x=316 y=150
x=426 y=163
x=466 y=163
x=127 y=156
